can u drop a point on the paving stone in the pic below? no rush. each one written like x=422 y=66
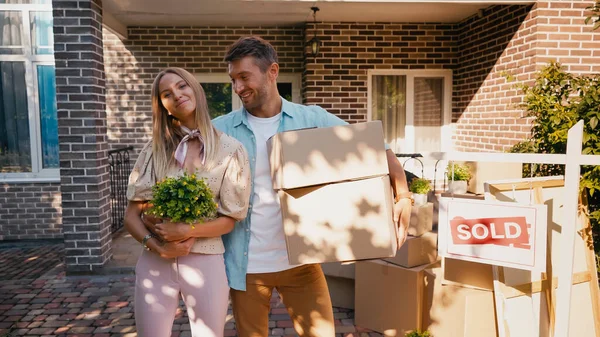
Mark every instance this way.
x=102 y=306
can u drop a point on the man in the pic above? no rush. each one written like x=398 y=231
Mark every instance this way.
x=255 y=251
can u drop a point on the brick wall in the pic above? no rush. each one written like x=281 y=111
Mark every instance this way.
x=515 y=40
x=30 y=211
x=337 y=79
x=484 y=103
x=80 y=87
x=131 y=66
x=563 y=36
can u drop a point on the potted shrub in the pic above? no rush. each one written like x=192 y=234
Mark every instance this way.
x=458 y=176
x=420 y=187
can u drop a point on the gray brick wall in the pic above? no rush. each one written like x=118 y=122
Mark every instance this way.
x=30 y=211
x=80 y=86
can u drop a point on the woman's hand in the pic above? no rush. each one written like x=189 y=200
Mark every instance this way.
x=171 y=250
x=173 y=231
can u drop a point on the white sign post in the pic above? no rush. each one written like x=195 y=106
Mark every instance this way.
x=573 y=160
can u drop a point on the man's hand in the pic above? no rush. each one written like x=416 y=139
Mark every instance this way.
x=173 y=231
x=401 y=217
x=171 y=250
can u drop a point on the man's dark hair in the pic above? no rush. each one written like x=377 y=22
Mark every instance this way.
x=261 y=50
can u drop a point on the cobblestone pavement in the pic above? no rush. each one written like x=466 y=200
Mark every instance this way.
x=99 y=306
x=29 y=261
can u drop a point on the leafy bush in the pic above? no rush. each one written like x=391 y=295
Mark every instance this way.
x=418 y=334
x=595 y=15
x=183 y=199
x=461 y=172
x=556 y=101
x=420 y=186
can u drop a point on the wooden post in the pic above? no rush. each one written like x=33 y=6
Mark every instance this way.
x=565 y=267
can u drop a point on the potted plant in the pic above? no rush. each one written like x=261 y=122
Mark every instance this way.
x=458 y=176
x=420 y=187
x=418 y=333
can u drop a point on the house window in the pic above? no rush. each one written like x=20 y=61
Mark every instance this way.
x=222 y=100
x=414 y=107
x=28 y=121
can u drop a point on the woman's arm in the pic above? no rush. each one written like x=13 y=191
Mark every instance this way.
x=134 y=225
x=170 y=231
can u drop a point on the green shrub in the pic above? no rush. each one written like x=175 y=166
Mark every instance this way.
x=461 y=172
x=594 y=17
x=420 y=186
x=418 y=334
x=555 y=102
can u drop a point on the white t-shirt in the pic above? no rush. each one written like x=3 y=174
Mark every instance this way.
x=267 y=249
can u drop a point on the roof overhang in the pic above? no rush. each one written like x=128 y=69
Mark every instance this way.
x=235 y=13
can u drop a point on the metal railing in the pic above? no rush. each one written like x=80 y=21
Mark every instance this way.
x=119 y=168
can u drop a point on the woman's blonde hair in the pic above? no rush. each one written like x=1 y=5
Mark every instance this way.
x=166 y=130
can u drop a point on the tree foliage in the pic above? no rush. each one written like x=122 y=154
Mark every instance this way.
x=556 y=101
x=594 y=17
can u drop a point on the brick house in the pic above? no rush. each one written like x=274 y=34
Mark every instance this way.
x=79 y=81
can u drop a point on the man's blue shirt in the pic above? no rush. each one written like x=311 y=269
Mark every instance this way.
x=294 y=116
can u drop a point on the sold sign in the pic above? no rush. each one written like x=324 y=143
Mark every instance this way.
x=500 y=233
x=503 y=231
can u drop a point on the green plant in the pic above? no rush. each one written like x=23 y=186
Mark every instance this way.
x=458 y=172
x=417 y=333
x=183 y=199
x=595 y=15
x=420 y=186
x=555 y=102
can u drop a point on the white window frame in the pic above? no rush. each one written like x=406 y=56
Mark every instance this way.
x=409 y=130
x=31 y=61
x=294 y=78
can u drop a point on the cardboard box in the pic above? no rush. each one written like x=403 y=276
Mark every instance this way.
x=341 y=291
x=339 y=269
x=416 y=251
x=467 y=274
x=339 y=222
x=389 y=298
x=421 y=219
x=316 y=156
x=482 y=172
x=451 y=311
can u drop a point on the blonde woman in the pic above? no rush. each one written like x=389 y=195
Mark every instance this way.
x=178 y=258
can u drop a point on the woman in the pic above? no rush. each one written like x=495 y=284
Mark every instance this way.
x=180 y=258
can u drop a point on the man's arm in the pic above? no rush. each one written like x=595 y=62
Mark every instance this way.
x=402 y=202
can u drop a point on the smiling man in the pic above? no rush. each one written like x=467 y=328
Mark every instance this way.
x=255 y=251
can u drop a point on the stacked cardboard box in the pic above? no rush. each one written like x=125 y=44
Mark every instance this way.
x=459 y=309
x=340 y=281
x=390 y=293
x=335 y=193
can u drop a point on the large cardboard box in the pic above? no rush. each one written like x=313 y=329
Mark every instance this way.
x=341 y=291
x=482 y=172
x=339 y=222
x=317 y=156
x=451 y=311
x=339 y=269
x=389 y=298
x=416 y=251
x=421 y=219
x=467 y=274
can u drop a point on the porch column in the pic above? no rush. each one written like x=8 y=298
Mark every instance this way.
x=80 y=89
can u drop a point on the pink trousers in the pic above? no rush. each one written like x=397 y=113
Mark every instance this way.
x=202 y=283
